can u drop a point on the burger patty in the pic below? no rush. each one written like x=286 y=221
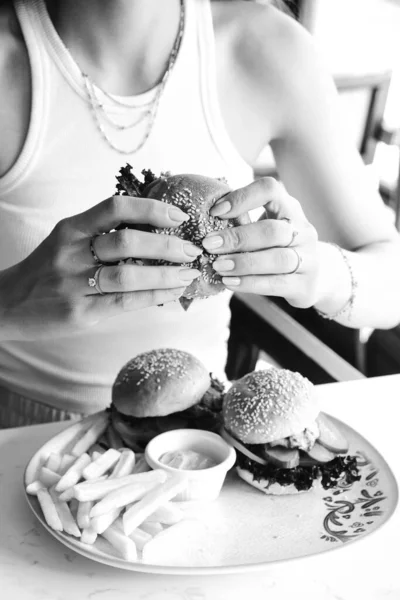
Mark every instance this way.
x=343 y=468
x=143 y=429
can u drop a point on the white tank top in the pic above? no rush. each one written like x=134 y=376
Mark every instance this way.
x=65 y=167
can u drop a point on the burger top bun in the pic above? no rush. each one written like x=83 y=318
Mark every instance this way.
x=160 y=382
x=265 y=406
x=194 y=195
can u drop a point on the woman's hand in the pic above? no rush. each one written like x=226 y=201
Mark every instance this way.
x=275 y=256
x=52 y=291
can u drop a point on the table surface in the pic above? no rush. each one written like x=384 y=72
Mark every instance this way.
x=35 y=566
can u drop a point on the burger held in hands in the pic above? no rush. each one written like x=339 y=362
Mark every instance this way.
x=194 y=195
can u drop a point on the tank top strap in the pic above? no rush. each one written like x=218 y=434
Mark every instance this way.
x=208 y=85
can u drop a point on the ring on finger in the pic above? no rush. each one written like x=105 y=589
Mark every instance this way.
x=93 y=251
x=299 y=261
x=94 y=281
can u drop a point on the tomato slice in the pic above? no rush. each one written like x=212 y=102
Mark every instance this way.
x=239 y=446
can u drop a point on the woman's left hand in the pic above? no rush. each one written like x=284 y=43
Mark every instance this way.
x=274 y=256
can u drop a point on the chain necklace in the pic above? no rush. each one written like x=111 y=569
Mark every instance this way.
x=149 y=110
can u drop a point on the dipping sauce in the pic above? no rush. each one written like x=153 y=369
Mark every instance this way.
x=187 y=460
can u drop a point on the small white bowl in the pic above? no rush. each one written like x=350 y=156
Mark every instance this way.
x=203 y=484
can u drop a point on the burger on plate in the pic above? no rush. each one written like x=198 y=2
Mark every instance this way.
x=194 y=195
x=284 y=443
x=161 y=390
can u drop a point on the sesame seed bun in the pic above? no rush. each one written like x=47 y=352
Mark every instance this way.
x=194 y=195
x=159 y=383
x=265 y=406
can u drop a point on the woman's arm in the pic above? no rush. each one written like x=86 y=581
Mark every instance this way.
x=295 y=102
x=320 y=167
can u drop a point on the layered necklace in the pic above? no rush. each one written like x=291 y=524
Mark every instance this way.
x=104 y=117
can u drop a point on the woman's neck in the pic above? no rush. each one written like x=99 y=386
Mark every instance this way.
x=124 y=45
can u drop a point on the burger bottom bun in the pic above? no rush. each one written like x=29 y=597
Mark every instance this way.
x=275 y=489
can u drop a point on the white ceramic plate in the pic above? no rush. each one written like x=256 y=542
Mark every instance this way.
x=246 y=530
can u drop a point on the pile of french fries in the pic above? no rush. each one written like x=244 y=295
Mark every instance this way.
x=90 y=492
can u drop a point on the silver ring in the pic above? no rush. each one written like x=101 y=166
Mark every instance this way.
x=299 y=261
x=92 y=250
x=94 y=281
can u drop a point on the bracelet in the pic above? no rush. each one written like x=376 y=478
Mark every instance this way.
x=354 y=285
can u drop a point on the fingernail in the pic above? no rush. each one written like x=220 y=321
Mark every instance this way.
x=213 y=241
x=192 y=250
x=223 y=265
x=177 y=215
x=188 y=274
x=231 y=281
x=220 y=209
x=178 y=291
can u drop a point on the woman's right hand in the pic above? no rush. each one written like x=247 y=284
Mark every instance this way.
x=49 y=293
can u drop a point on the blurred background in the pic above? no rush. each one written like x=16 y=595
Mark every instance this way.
x=360 y=43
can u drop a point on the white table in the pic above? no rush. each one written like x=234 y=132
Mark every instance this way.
x=34 y=566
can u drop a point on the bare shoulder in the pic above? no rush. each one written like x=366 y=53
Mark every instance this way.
x=272 y=55
x=14 y=87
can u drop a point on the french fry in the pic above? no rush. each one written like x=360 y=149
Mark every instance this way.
x=59 y=445
x=125 y=464
x=158 y=496
x=124 y=545
x=141 y=465
x=33 y=488
x=66 y=461
x=168 y=514
x=91 y=436
x=150 y=527
x=140 y=537
x=68 y=522
x=49 y=510
x=102 y=464
x=89 y=535
x=102 y=522
x=82 y=516
x=53 y=462
x=95 y=454
x=48 y=477
x=74 y=473
x=96 y=448
x=122 y=497
x=67 y=494
x=95 y=490
x=113 y=438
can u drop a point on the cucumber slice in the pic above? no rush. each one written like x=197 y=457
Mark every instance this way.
x=318 y=454
x=239 y=446
x=284 y=458
x=330 y=437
